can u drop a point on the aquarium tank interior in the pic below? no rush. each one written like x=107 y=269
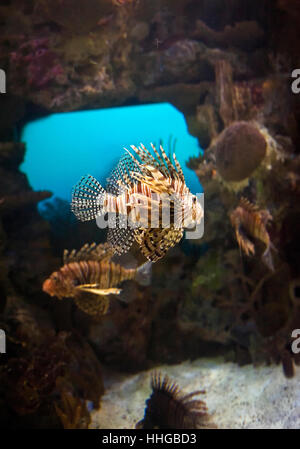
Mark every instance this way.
x=149 y=215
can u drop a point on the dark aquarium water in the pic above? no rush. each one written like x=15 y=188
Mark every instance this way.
x=149 y=215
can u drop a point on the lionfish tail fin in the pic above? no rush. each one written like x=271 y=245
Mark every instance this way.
x=144 y=273
x=87 y=198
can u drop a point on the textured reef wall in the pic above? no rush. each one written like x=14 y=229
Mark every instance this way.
x=228 y=69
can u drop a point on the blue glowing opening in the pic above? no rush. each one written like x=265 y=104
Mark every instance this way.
x=65 y=146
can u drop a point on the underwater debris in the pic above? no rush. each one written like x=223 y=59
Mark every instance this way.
x=169 y=408
x=239 y=150
x=152 y=194
x=90 y=270
x=248 y=218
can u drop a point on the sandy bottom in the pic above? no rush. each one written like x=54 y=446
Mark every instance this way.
x=236 y=397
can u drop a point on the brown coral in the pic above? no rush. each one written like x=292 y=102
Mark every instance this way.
x=239 y=151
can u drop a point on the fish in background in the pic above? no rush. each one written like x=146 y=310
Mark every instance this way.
x=90 y=270
x=141 y=192
x=250 y=221
x=169 y=408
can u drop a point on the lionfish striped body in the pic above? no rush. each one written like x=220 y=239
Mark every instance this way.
x=248 y=220
x=148 y=198
x=168 y=408
x=90 y=270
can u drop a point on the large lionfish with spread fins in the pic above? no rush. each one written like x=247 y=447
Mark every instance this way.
x=90 y=270
x=149 y=199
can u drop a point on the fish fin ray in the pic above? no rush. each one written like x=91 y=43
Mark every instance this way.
x=120 y=236
x=178 y=168
x=101 y=252
x=244 y=243
x=92 y=304
x=87 y=198
x=155 y=242
x=247 y=205
x=120 y=178
x=96 y=290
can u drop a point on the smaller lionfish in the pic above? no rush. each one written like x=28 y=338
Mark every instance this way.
x=142 y=192
x=169 y=408
x=249 y=221
x=90 y=270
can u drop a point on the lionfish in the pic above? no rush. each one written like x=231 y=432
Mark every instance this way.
x=248 y=220
x=169 y=408
x=149 y=199
x=91 y=270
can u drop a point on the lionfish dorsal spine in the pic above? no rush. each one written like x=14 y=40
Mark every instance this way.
x=100 y=252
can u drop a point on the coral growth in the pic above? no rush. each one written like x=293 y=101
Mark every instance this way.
x=35 y=62
x=239 y=150
x=59 y=368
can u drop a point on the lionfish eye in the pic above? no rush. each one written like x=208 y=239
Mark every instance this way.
x=194 y=200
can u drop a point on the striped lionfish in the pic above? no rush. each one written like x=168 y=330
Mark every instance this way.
x=250 y=221
x=91 y=270
x=143 y=193
x=169 y=408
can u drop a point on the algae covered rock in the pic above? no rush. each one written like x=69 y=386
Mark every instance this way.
x=239 y=151
x=75 y=15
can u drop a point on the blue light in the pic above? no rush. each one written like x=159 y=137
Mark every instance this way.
x=65 y=146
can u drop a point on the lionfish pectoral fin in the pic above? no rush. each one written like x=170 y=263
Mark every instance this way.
x=155 y=242
x=120 y=236
x=109 y=291
x=87 y=198
x=94 y=288
x=93 y=305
